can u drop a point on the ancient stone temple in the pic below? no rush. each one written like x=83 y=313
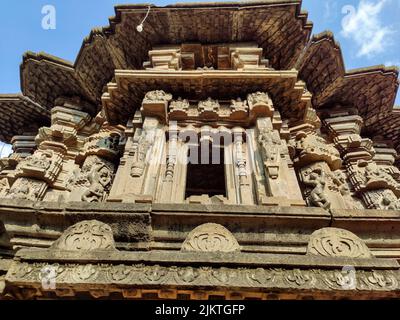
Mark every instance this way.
x=222 y=152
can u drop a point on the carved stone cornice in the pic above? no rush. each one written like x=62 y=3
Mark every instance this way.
x=132 y=85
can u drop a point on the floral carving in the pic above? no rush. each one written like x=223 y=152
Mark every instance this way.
x=155 y=274
x=188 y=274
x=334 y=242
x=209 y=106
x=210 y=237
x=86 y=236
x=199 y=277
x=381 y=281
x=299 y=278
x=156 y=96
x=86 y=272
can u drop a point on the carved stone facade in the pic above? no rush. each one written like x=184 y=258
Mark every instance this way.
x=217 y=164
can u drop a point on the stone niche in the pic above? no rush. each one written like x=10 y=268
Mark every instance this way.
x=207 y=152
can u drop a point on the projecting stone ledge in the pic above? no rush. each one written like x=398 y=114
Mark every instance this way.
x=198 y=276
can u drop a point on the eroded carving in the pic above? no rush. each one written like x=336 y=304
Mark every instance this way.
x=210 y=237
x=94 y=180
x=86 y=236
x=334 y=242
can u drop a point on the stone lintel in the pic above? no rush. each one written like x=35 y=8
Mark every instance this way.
x=250 y=260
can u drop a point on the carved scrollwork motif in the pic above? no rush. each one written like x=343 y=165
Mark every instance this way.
x=86 y=236
x=298 y=278
x=260 y=278
x=210 y=237
x=334 y=242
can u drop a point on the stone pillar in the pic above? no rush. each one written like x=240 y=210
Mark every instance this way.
x=137 y=176
x=240 y=157
x=272 y=170
x=371 y=172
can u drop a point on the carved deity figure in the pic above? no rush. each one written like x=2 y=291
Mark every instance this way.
x=95 y=179
x=141 y=149
x=316 y=178
x=99 y=179
x=270 y=143
x=209 y=105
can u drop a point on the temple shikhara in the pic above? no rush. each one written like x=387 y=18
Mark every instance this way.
x=222 y=152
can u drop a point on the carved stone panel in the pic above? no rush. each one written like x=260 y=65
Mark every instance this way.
x=210 y=237
x=334 y=242
x=86 y=236
x=312 y=148
x=28 y=189
x=43 y=165
x=93 y=182
x=383 y=199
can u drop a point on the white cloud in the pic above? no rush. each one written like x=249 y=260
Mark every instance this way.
x=364 y=26
x=391 y=63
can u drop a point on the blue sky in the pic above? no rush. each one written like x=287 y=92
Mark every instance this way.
x=368 y=30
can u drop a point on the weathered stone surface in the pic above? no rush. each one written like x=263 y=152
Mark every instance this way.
x=334 y=242
x=86 y=236
x=210 y=237
x=240 y=161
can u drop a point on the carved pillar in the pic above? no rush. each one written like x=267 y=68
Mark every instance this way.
x=371 y=172
x=137 y=176
x=167 y=180
x=273 y=174
x=240 y=157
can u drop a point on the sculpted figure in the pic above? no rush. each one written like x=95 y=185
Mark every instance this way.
x=317 y=179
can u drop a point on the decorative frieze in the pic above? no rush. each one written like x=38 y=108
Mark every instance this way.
x=138 y=276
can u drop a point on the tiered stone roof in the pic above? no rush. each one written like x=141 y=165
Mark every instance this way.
x=278 y=26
